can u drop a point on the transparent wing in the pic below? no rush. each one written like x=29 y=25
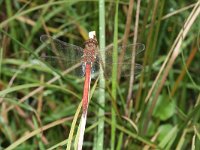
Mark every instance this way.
x=127 y=59
x=61 y=55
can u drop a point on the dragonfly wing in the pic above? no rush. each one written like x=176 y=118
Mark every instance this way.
x=138 y=68
x=61 y=55
x=127 y=59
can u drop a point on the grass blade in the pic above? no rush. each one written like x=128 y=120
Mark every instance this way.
x=100 y=130
x=73 y=127
x=114 y=76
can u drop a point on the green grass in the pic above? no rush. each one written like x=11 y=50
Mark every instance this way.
x=99 y=135
x=40 y=110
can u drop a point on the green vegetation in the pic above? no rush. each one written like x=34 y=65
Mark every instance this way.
x=41 y=104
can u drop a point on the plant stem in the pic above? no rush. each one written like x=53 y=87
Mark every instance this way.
x=114 y=77
x=100 y=131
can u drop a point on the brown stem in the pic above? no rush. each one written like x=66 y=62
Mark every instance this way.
x=182 y=74
x=125 y=38
x=133 y=57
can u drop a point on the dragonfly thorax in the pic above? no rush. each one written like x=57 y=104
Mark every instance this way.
x=89 y=52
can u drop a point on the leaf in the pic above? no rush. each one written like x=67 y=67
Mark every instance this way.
x=163 y=131
x=169 y=138
x=164 y=109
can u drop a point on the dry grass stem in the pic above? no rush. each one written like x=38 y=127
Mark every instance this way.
x=131 y=81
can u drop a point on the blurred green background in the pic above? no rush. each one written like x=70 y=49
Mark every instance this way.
x=163 y=111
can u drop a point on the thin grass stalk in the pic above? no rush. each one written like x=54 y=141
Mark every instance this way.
x=114 y=76
x=70 y=138
x=12 y=24
x=4 y=105
x=155 y=44
x=188 y=74
x=155 y=30
x=182 y=140
x=60 y=144
x=121 y=57
x=144 y=22
x=120 y=141
x=178 y=11
x=140 y=37
x=147 y=54
x=165 y=17
x=39 y=137
x=99 y=142
x=176 y=51
x=183 y=72
x=81 y=131
x=126 y=34
x=193 y=142
x=1 y=58
x=154 y=53
x=131 y=82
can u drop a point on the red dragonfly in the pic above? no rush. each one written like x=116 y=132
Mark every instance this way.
x=65 y=55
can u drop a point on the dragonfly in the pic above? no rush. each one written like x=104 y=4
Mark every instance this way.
x=63 y=55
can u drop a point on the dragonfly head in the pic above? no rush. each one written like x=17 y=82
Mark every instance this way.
x=91 y=43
